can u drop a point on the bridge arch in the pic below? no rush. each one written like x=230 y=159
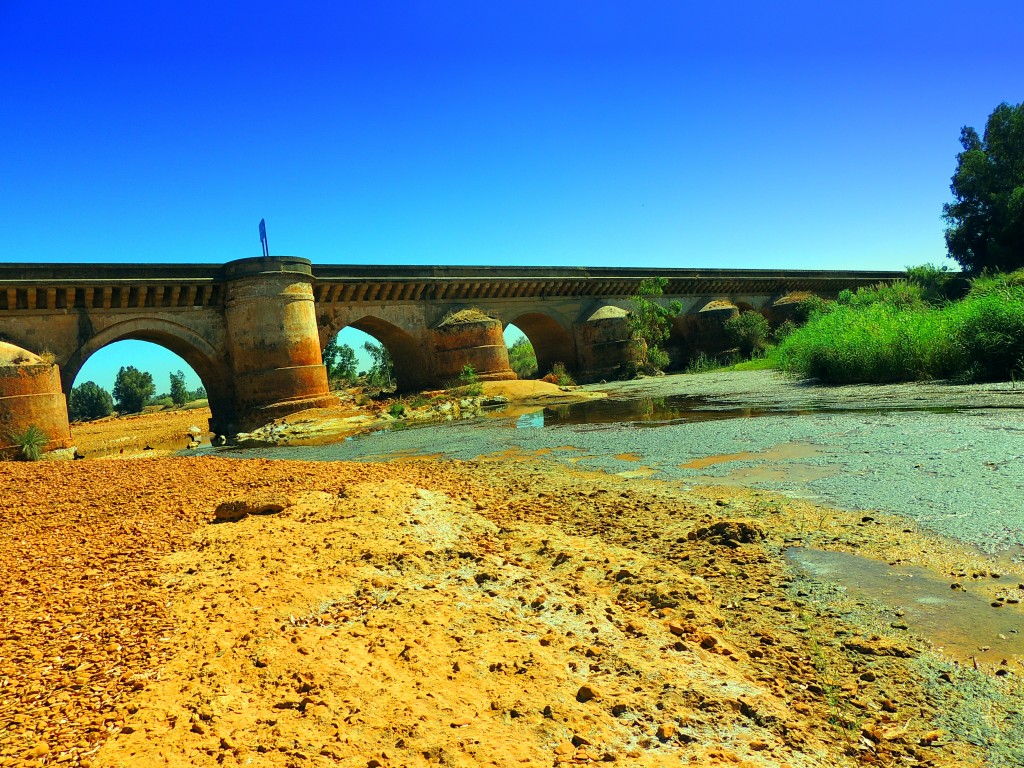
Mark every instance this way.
x=208 y=363
x=411 y=364
x=552 y=341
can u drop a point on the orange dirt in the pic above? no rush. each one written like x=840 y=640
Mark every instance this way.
x=437 y=613
x=129 y=435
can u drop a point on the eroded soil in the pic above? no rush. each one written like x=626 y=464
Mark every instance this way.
x=462 y=613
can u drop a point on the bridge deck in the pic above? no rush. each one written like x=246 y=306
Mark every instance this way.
x=67 y=286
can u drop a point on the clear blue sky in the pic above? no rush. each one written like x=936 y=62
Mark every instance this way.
x=733 y=134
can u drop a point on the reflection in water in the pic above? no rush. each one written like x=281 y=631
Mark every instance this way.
x=963 y=624
x=656 y=411
x=532 y=420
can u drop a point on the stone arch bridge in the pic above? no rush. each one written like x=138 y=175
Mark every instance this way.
x=253 y=329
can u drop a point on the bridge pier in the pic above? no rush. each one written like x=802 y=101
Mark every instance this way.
x=478 y=343
x=273 y=341
x=606 y=345
x=30 y=395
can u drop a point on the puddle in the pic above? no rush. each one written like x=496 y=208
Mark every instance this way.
x=961 y=624
x=656 y=411
x=781 y=452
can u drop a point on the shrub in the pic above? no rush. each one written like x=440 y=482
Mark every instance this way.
x=651 y=321
x=397 y=410
x=30 y=443
x=989 y=329
x=875 y=343
x=936 y=282
x=901 y=294
x=560 y=376
x=89 y=401
x=812 y=305
x=748 y=331
x=999 y=282
x=784 y=329
x=418 y=401
x=658 y=359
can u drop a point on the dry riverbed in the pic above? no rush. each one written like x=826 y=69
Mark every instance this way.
x=458 y=613
x=505 y=610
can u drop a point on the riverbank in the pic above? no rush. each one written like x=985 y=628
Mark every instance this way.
x=427 y=612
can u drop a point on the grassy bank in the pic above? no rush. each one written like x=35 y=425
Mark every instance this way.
x=909 y=331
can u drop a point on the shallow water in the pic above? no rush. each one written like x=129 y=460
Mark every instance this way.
x=659 y=411
x=961 y=624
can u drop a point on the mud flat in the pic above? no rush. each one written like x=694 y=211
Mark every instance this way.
x=947 y=457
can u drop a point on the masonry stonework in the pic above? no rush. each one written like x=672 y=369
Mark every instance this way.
x=253 y=329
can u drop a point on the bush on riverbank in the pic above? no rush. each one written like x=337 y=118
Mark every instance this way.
x=892 y=334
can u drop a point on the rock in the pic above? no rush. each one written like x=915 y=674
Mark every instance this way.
x=235 y=510
x=194 y=430
x=565 y=748
x=666 y=731
x=39 y=750
x=586 y=693
x=729 y=533
x=876 y=646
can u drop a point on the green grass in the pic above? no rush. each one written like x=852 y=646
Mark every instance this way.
x=893 y=339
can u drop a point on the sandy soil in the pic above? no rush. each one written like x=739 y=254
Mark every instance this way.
x=164 y=431
x=452 y=613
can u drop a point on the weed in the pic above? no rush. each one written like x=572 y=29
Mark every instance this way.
x=470 y=382
x=30 y=443
x=702 y=363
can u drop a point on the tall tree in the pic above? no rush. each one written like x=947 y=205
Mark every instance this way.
x=522 y=358
x=986 y=222
x=340 y=360
x=89 y=401
x=133 y=389
x=382 y=368
x=179 y=395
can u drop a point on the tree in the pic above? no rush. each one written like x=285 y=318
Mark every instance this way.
x=651 y=320
x=132 y=389
x=179 y=395
x=382 y=368
x=986 y=222
x=89 y=401
x=522 y=359
x=340 y=361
